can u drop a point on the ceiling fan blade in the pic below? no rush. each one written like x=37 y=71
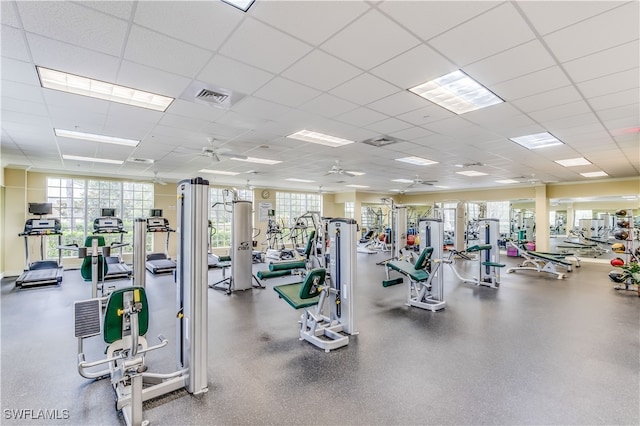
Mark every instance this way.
x=349 y=174
x=215 y=158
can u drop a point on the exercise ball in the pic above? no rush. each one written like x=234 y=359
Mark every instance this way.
x=618 y=248
x=621 y=235
x=621 y=212
x=616 y=277
x=411 y=239
x=617 y=262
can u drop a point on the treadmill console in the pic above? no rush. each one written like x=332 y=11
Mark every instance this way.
x=42 y=226
x=158 y=224
x=108 y=225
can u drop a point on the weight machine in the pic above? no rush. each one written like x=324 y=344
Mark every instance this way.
x=126 y=318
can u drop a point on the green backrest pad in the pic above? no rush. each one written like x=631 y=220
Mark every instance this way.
x=423 y=260
x=312 y=283
x=310 y=241
x=85 y=269
x=478 y=248
x=113 y=320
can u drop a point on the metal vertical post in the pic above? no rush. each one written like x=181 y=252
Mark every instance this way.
x=139 y=251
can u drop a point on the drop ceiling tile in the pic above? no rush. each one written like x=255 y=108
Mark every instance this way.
x=361 y=117
x=520 y=60
x=151 y=79
x=286 y=92
x=312 y=22
x=411 y=133
x=493 y=114
x=364 y=48
x=364 y=89
x=76 y=104
x=560 y=112
x=195 y=110
x=398 y=103
x=204 y=24
x=181 y=122
x=563 y=95
x=164 y=53
x=484 y=35
x=120 y=9
x=595 y=33
x=611 y=83
x=259 y=108
x=328 y=106
x=72 y=23
x=259 y=45
x=8 y=15
x=626 y=111
x=584 y=119
x=388 y=126
x=530 y=84
x=19 y=72
x=610 y=61
x=233 y=75
x=613 y=100
x=425 y=115
x=21 y=91
x=13 y=43
x=430 y=18
x=68 y=58
x=24 y=107
x=312 y=71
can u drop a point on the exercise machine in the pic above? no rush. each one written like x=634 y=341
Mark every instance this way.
x=329 y=317
x=541 y=262
x=126 y=318
x=158 y=263
x=43 y=271
x=241 y=250
x=109 y=224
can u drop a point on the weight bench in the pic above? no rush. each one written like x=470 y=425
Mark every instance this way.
x=315 y=327
x=420 y=275
x=541 y=262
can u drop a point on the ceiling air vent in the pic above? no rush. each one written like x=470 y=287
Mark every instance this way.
x=381 y=141
x=212 y=96
x=140 y=160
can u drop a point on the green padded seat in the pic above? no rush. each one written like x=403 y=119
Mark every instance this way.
x=496 y=264
x=415 y=271
x=85 y=269
x=306 y=293
x=113 y=314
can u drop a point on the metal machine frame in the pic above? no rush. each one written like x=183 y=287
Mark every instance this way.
x=41 y=272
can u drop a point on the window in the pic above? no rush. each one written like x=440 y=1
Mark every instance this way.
x=220 y=214
x=291 y=205
x=500 y=210
x=77 y=202
x=350 y=209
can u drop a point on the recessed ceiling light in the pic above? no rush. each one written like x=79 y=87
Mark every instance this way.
x=299 y=180
x=351 y=172
x=243 y=5
x=357 y=186
x=218 y=172
x=440 y=186
x=572 y=162
x=594 y=174
x=402 y=180
x=471 y=173
x=255 y=160
x=507 y=181
x=418 y=161
x=319 y=138
x=95 y=138
x=538 y=140
x=70 y=83
x=457 y=92
x=91 y=159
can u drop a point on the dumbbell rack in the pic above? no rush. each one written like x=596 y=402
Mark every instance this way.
x=630 y=246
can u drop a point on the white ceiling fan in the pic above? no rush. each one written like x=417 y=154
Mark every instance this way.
x=337 y=170
x=156 y=179
x=215 y=153
x=419 y=181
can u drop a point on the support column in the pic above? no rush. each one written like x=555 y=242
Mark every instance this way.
x=542 y=218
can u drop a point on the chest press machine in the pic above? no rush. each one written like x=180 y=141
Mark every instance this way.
x=320 y=293
x=126 y=318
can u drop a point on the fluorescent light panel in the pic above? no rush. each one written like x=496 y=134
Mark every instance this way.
x=471 y=173
x=572 y=162
x=72 y=134
x=457 y=92
x=357 y=186
x=243 y=5
x=440 y=186
x=299 y=180
x=629 y=197
x=319 y=138
x=536 y=141
x=355 y=173
x=418 y=161
x=91 y=159
x=255 y=160
x=507 y=181
x=218 y=172
x=70 y=83
x=402 y=180
x=594 y=174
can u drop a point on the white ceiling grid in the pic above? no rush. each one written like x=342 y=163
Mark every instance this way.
x=337 y=67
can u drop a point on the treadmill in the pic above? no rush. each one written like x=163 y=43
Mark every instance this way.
x=41 y=272
x=108 y=224
x=158 y=263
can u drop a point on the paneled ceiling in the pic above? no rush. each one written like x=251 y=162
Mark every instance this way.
x=341 y=68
